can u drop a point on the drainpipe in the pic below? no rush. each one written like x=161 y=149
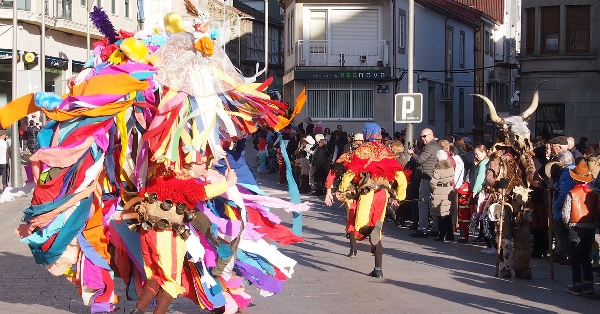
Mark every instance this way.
x=394 y=57
x=141 y=18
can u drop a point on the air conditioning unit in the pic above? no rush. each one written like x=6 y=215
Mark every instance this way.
x=494 y=76
x=447 y=92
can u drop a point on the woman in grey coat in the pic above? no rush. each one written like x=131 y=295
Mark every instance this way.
x=441 y=195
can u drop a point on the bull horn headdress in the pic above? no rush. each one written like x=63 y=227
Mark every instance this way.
x=534 y=102
x=493 y=114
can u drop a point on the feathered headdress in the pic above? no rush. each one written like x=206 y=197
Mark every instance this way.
x=202 y=16
x=103 y=24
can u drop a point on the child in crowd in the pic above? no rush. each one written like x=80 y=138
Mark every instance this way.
x=262 y=155
x=304 y=166
x=272 y=159
x=442 y=192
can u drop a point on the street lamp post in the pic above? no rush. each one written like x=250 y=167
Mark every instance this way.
x=266 y=39
x=43 y=57
x=15 y=161
x=411 y=42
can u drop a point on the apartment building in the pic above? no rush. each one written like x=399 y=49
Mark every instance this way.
x=65 y=42
x=560 y=45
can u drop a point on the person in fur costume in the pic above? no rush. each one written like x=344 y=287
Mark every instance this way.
x=442 y=192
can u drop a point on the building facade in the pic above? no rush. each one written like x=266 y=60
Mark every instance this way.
x=560 y=46
x=351 y=58
x=65 y=43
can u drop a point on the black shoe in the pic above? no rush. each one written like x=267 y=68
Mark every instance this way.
x=352 y=254
x=433 y=233
x=439 y=239
x=377 y=273
x=413 y=227
x=588 y=288
x=450 y=238
x=418 y=234
x=575 y=289
x=478 y=240
x=505 y=274
x=523 y=274
x=218 y=310
x=463 y=240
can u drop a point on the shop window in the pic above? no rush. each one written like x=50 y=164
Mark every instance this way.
x=402 y=31
x=550 y=29
x=340 y=100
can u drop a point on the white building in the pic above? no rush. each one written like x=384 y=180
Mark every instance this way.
x=65 y=44
x=351 y=58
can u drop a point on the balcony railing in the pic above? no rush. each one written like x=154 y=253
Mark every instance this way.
x=372 y=53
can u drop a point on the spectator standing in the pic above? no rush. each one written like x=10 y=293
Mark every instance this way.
x=487 y=140
x=32 y=133
x=563 y=185
x=442 y=194
x=4 y=153
x=339 y=139
x=309 y=126
x=320 y=165
x=579 y=215
x=571 y=146
x=304 y=166
x=262 y=155
x=425 y=161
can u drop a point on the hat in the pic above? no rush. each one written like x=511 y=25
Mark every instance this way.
x=319 y=137
x=581 y=172
x=310 y=140
x=358 y=137
x=371 y=131
x=467 y=139
x=560 y=140
x=441 y=155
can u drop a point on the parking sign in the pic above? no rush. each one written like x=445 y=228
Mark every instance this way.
x=408 y=108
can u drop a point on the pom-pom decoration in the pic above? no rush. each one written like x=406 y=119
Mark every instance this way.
x=174 y=23
x=135 y=49
x=48 y=101
x=103 y=24
x=205 y=45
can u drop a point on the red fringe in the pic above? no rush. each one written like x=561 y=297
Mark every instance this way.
x=188 y=191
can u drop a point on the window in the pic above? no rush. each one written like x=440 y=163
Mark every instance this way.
x=318 y=31
x=578 y=28
x=449 y=53
x=461 y=107
x=63 y=9
x=550 y=29
x=461 y=54
x=291 y=34
x=339 y=100
x=99 y=3
x=21 y=5
x=530 y=32
x=549 y=118
x=83 y=2
x=431 y=104
x=126 y=8
x=113 y=5
x=402 y=32
x=486 y=47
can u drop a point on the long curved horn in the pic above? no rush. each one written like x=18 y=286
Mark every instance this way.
x=534 y=102
x=493 y=115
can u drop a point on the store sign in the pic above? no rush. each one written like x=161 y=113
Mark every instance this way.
x=57 y=63
x=374 y=75
x=6 y=56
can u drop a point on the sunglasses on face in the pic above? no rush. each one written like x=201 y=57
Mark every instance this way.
x=425 y=135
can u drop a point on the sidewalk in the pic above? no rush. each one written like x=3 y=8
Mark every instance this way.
x=420 y=275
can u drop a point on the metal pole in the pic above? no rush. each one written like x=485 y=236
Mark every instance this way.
x=266 y=39
x=411 y=42
x=43 y=57
x=87 y=8
x=15 y=161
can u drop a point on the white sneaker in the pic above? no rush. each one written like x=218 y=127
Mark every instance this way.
x=489 y=250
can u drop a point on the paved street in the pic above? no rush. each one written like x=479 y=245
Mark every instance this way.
x=420 y=275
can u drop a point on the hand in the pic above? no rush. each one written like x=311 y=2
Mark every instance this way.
x=410 y=151
x=231 y=177
x=395 y=203
x=328 y=198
